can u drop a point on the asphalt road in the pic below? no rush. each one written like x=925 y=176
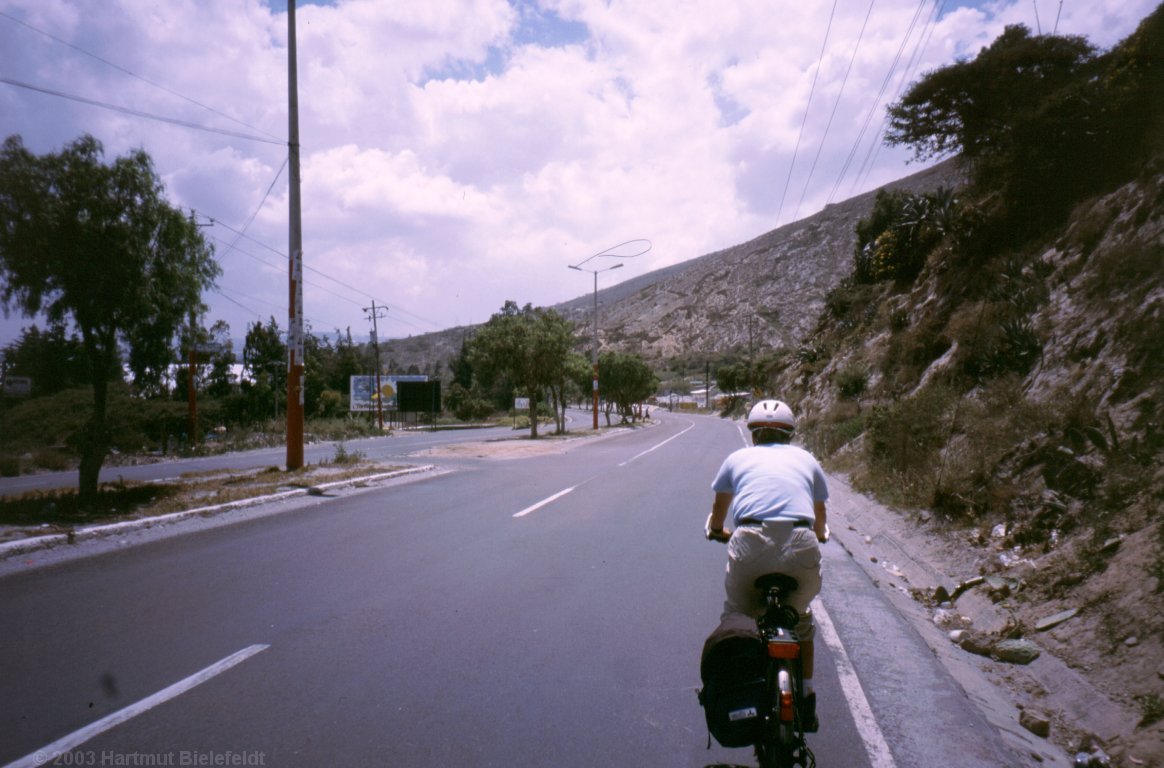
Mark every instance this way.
x=536 y=612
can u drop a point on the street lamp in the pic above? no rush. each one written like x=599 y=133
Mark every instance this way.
x=618 y=252
x=594 y=350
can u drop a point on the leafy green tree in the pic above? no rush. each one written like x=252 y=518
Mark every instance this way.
x=625 y=381
x=348 y=362
x=265 y=364
x=973 y=107
x=100 y=246
x=220 y=380
x=567 y=387
x=735 y=384
x=318 y=356
x=212 y=370
x=461 y=367
x=529 y=347
x=53 y=360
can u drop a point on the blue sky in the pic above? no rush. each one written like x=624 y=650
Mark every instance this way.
x=461 y=153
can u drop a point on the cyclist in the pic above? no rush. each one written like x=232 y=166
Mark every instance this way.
x=776 y=494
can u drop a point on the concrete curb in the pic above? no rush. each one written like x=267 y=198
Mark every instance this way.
x=36 y=543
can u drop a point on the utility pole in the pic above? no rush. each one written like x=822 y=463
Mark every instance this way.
x=375 y=313
x=295 y=260
x=707 y=385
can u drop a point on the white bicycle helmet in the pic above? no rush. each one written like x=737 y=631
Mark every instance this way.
x=771 y=414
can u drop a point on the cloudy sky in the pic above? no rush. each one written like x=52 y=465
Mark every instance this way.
x=459 y=153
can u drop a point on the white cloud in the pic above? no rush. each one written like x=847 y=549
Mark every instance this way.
x=459 y=153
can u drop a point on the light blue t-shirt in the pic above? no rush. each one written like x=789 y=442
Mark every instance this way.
x=770 y=481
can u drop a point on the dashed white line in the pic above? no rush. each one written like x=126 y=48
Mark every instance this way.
x=77 y=738
x=657 y=446
x=543 y=502
x=867 y=728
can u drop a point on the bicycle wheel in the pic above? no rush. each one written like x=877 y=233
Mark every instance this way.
x=779 y=741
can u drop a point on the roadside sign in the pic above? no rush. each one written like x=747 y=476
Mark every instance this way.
x=363 y=394
x=17 y=386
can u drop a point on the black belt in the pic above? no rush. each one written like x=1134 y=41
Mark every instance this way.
x=797 y=522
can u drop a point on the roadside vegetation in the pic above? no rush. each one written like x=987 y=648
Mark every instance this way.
x=61 y=510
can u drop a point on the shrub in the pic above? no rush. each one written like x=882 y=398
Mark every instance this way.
x=994 y=342
x=894 y=241
x=902 y=443
x=852 y=381
x=852 y=304
x=836 y=429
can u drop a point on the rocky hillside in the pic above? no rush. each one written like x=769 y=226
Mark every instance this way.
x=762 y=294
x=1012 y=400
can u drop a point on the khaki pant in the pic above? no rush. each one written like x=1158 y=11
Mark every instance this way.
x=774 y=547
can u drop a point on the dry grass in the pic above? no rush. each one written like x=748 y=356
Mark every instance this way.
x=134 y=501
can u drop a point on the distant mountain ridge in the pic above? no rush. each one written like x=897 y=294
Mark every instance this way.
x=762 y=294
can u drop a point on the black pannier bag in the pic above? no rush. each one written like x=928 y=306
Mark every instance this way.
x=732 y=671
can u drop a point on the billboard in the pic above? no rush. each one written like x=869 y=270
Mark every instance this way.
x=419 y=396
x=363 y=393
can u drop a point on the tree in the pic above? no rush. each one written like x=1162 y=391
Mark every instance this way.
x=1029 y=116
x=625 y=381
x=265 y=362
x=220 y=380
x=529 y=347
x=972 y=107
x=735 y=385
x=99 y=245
x=53 y=359
x=575 y=380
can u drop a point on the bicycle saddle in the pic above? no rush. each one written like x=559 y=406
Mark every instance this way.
x=778 y=581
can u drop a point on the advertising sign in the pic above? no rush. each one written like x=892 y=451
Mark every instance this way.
x=364 y=394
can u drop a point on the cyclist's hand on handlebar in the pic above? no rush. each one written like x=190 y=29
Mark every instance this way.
x=715 y=534
x=721 y=535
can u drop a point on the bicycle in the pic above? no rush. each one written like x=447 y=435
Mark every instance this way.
x=779 y=740
x=781 y=743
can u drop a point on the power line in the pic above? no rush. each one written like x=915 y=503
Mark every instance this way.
x=396 y=313
x=138 y=112
x=833 y=114
x=804 y=120
x=910 y=68
x=876 y=102
x=120 y=68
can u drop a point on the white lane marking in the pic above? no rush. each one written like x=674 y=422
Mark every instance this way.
x=690 y=426
x=560 y=494
x=543 y=502
x=744 y=435
x=867 y=728
x=77 y=738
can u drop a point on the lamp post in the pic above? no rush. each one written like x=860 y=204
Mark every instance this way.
x=620 y=251
x=594 y=350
